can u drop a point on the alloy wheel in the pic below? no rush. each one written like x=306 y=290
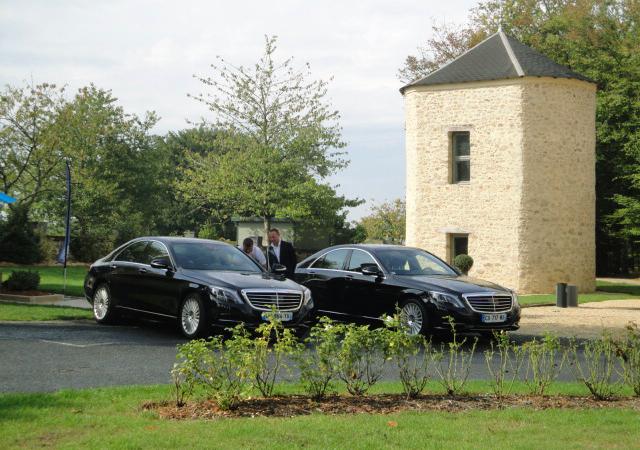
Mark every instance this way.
x=413 y=318
x=101 y=303
x=190 y=316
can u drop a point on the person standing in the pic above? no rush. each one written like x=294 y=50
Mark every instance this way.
x=281 y=252
x=253 y=251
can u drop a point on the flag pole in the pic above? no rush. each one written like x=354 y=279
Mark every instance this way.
x=67 y=232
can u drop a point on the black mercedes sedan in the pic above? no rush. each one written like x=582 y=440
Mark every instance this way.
x=361 y=283
x=197 y=282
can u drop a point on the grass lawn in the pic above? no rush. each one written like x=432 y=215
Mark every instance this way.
x=22 y=312
x=52 y=279
x=112 y=418
x=604 y=291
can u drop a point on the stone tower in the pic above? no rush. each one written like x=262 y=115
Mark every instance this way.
x=500 y=147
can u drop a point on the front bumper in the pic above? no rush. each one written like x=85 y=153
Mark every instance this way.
x=467 y=320
x=227 y=315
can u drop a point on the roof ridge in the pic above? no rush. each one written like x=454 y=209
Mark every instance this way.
x=512 y=56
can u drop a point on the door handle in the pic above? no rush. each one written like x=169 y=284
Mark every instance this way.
x=142 y=270
x=349 y=277
x=113 y=266
x=311 y=272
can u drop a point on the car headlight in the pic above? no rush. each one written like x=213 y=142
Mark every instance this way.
x=443 y=299
x=514 y=296
x=306 y=299
x=224 y=296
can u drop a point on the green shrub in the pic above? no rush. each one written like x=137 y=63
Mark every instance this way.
x=596 y=367
x=268 y=349
x=504 y=361
x=412 y=354
x=463 y=262
x=453 y=363
x=318 y=367
x=628 y=352
x=544 y=361
x=361 y=357
x=22 y=280
x=19 y=243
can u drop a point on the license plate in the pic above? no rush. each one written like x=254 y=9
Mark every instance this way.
x=493 y=318
x=278 y=315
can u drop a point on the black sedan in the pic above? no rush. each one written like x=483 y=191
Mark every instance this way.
x=194 y=281
x=365 y=282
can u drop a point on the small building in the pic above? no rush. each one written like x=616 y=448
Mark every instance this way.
x=500 y=154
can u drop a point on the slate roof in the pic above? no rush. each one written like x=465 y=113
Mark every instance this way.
x=496 y=58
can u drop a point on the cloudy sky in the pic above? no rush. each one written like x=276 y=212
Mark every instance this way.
x=147 y=51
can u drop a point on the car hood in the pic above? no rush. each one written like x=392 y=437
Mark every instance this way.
x=460 y=284
x=239 y=280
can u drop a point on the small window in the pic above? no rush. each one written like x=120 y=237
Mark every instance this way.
x=358 y=257
x=459 y=245
x=136 y=253
x=461 y=157
x=333 y=260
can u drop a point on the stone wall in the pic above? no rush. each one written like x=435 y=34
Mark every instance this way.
x=493 y=208
x=557 y=228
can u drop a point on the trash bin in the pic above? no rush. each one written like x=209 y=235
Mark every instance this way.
x=561 y=295
x=572 y=296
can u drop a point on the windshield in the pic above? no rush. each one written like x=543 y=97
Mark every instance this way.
x=411 y=261
x=210 y=256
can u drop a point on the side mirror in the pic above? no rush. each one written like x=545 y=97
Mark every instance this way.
x=370 y=269
x=161 y=263
x=278 y=268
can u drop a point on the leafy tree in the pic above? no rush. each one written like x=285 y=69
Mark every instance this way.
x=279 y=134
x=600 y=39
x=30 y=150
x=387 y=222
x=18 y=241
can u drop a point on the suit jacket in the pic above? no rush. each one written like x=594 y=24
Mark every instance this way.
x=287 y=257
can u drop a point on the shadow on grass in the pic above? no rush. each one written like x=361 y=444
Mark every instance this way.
x=620 y=289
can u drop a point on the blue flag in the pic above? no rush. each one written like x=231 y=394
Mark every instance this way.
x=63 y=254
x=4 y=198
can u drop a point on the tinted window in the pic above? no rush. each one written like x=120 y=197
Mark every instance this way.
x=136 y=252
x=332 y=260
x=413 y=262
x=358 y=257
x=210 y=256
x=156 y=250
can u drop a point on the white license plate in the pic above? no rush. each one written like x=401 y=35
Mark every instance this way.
x=493 y=318
x=278 y=315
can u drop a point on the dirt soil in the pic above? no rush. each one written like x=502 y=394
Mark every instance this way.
x=586 y=321
x=294 y=405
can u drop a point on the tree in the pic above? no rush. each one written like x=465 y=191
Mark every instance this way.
x=30 y=151
x=278 y=130
x=18 y=241
x=387 y=222
x=600 y=39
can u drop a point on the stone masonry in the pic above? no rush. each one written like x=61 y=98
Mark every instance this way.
x=529 y=208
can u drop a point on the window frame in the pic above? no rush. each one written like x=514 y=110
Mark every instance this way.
x=455 y=159
x=451 y=237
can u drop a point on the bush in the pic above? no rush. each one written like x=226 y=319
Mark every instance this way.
x=629 y=353
x=464 y=263
x=22 y=280
x=505 y=370
x=361 y=357
x=544 y=361
x=597 y=369
x=412 y=353
x=453 y=364
x=318 y=367
x=18 y=241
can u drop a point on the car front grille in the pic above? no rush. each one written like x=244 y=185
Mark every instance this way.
x=265 y=300
x=489 y=303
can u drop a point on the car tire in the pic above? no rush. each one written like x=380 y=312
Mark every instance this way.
x=415 y=314
x=103 y=307
x=192 y=319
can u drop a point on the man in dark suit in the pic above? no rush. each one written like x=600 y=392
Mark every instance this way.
x=281 y=252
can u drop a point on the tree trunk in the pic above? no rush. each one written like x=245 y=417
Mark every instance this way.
x=267 y=226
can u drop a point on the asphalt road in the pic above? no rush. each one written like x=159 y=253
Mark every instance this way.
x=48 y=356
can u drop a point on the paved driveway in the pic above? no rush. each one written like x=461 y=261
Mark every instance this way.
x=47 y=356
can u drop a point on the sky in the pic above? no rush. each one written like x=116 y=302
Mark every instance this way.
x=147 y=52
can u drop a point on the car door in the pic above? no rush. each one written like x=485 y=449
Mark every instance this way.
x=367 y=297
x=125 y=268
x=326 y=278
x=158 y=290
